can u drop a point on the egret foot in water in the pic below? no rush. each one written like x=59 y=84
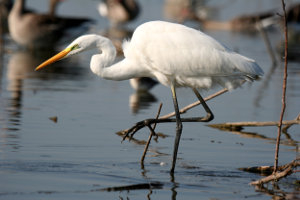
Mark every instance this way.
x=148 y=122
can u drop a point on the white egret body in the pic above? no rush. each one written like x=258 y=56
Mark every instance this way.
x=177 y=56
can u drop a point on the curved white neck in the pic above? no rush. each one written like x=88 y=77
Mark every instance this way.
x=106 y=57
x=101 y=64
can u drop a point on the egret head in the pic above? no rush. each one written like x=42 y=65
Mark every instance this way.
x=82 y=43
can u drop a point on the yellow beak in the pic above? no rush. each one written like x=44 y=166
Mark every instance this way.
x=53 y=59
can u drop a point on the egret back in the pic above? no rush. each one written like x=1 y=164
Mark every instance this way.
x=189 y=58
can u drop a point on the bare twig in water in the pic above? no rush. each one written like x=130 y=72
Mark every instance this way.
x=266 y=170
x=239 y=125
x=238 y=131
x=150 y=136
x=192 y=105
x=185 y=109
x=136 y=141
x=283 y=88
x=278 y=174
x=286 y=170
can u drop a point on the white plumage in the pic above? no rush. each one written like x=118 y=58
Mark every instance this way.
x=173 y=52
x=176 y=55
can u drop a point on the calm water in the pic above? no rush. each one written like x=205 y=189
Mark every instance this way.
x=81 y=157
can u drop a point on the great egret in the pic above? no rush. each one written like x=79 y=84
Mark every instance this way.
x=176 y=55
x=35 y=30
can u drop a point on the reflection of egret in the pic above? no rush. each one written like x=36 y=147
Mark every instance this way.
x=119 y=11
x=34 y=30
x=176 y=55
x=140 y=100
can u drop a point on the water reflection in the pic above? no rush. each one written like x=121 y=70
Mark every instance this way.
x=15 y=75
x=260 y=95
x=277 y=193
x=141 y=100
x=20 y=66
x=22 y=63
x=288 y=140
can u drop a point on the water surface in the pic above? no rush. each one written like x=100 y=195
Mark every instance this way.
x=81 y=157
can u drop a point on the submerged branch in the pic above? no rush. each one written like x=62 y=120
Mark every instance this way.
x=240 y=125
x=150 y=136
x=286 y=170
x=283 y=99
x=185 y=109
x=192 y=105
x=265 y=170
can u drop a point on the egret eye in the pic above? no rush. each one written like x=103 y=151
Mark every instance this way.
x=76 y=46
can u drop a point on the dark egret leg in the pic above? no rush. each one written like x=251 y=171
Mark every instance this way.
x=209 y=116
x=178 y=128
